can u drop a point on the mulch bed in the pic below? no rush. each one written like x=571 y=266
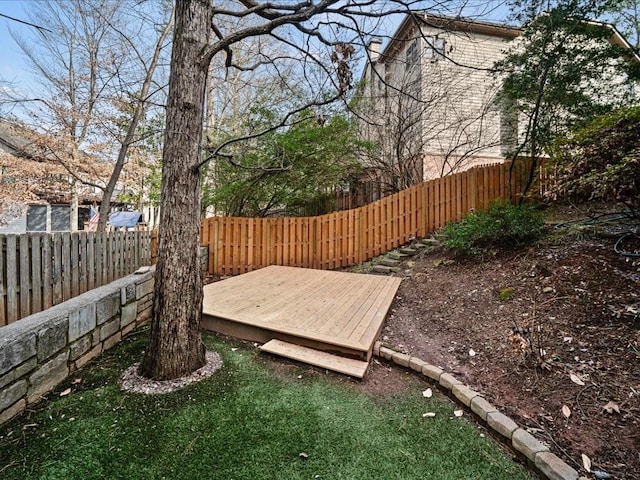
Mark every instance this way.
x=554 y=327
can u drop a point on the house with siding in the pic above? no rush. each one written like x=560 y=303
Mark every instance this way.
x=429 y=99
x=38 y=192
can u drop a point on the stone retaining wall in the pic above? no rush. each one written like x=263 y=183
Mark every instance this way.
x=40 y=351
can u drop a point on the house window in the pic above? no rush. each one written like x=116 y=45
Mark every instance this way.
x=434 y=47
x=37 y=218
x=412 y=54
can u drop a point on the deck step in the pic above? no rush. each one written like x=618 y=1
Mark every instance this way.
x=348 y=366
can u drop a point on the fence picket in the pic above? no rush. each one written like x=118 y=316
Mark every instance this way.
x=38 y=270
x=3 y=313
x=75 y=266
x=12 y=280
x=36 y=274
x=25 y=303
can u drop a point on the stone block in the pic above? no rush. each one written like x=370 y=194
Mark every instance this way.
x=129 y=314
x=52 y=338
x=111 y=341
x=386 y=353
x=12 y=411
x=90 y=355
x=16 y=350
x=127 y=294
x=109 y=328
x=144 y=316
x=448 y=381
x=401 y=359
x=107 y=307
x=82 y=321
x=376 y=349
x=12 y=394
x=527 y=444
x=501 y=424
x=144 y=288
x=79 y=347
x=145 y=303
x=432 y=372
x=417 y=364
x=482 y=408
x=464 y=394
x=554 y=468
x=95 y=337
x=47 y=377
x=18 y=372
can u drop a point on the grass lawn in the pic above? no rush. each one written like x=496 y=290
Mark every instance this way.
x=245 y=422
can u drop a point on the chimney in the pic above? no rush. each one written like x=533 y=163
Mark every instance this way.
x=374 y=48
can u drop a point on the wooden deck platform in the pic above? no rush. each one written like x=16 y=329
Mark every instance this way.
x=335 y=312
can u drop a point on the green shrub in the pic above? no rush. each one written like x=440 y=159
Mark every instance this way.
x=503 y=226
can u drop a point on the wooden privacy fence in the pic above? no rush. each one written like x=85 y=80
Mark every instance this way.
x=238 y=245
x=40 y=270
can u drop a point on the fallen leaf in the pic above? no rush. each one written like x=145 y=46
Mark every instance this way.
x=577 y=380
x=427 y=393
x=472 y=352
x=547 y=290
x=303 y=455
x=566 y=411
x=586 y=462
x=437 y=263
x=234 y=349
x=458 y=413
x=75 y=381
x=66 y=392
x=611 y=407
x=429 y=414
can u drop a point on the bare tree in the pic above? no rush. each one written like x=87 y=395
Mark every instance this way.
x=140 y=101
x=97 y=80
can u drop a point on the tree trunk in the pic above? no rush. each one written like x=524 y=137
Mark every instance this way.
x=175 y=347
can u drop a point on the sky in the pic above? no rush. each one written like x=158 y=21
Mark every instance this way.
x=15 y=72
x=12 y=66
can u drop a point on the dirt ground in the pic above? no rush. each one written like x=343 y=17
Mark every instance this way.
x=550 y=335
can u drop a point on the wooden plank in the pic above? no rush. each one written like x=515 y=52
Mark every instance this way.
x=250 y=245
x=75 y=260
x=91 y=261
x=107 y=258
x=47 y=272
x=3 y=311
x=36 y=273
x=12 y=279
x=66 y=266
x=57 y=269
x=84 y=261
x=347 y=366
x=25 y=277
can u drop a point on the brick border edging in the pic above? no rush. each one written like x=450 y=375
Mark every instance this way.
x=547 y=463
